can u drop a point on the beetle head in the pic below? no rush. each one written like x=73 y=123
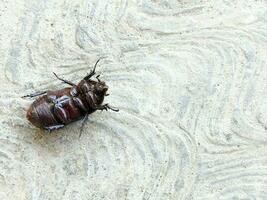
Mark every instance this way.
x=101 y=88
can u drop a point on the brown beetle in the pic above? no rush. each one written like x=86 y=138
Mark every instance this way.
x=55 y=109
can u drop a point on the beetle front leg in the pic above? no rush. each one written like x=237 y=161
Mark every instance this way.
x=34 y=94
x=107 y=107
x=92 y=72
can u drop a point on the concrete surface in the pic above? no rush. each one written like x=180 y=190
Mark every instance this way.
x=189 y=77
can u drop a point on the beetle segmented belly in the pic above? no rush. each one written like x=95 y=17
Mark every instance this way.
x=41 y=114
x=66 y=110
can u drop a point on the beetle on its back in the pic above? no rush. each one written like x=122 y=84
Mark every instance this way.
x=55 y=109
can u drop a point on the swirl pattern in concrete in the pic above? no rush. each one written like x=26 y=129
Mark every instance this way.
x=189 y=77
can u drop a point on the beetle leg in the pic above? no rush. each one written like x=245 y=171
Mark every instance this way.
x=63 y=80
x=92 y=72
x=97 y=77
x=34 y=94
x=53 y=128
x=102 y=107
x=106 y=107
x=112 y=108
x=83 y=123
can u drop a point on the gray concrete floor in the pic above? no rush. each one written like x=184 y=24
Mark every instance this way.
x=189 y=77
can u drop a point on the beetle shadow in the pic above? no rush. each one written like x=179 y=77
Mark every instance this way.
x=57 y=139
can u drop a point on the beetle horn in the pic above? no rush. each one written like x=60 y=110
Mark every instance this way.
x=92 y=72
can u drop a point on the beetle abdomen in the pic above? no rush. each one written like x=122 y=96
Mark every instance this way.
x=56 y=108
x=41 y=114
x=66 y=110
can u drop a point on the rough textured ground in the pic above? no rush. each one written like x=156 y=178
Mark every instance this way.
x=189 y=77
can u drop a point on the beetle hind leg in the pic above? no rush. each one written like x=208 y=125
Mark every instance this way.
x=53 y=128
x=83 y=123
x=34 y=94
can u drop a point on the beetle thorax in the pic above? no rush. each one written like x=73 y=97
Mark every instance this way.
x=93 y=91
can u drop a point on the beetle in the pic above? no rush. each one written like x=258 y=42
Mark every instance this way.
x=53 y=110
